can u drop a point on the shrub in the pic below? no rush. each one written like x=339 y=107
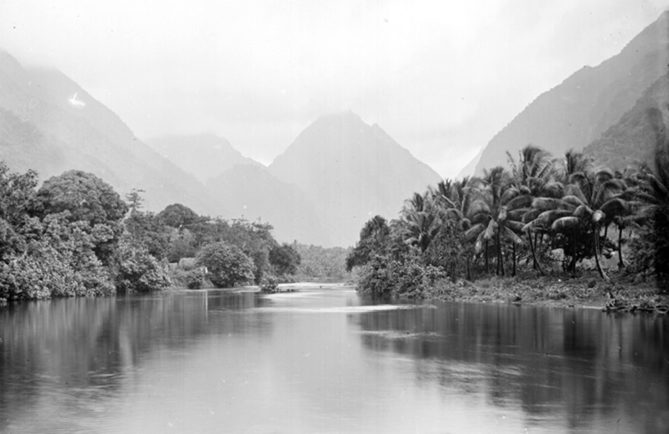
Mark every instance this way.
x=269 y=284
x=138 y=271
x=382 y=277
x=226 y=264
x=191 y=279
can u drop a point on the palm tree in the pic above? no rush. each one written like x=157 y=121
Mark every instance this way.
x=653 y=192
x=422 y=221
x=492 y=200
x=590 y=201
x=453 y=199
x=534 y=176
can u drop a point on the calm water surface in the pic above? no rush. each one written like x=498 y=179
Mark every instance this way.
x=323 y=361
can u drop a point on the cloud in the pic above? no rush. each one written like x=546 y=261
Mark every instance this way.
x=440 y=77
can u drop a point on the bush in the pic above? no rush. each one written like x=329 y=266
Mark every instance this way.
x=191 y=279
x=227 y=265
x=45 y=273
x=269 y=284
x=382 y=277
x=138 y=271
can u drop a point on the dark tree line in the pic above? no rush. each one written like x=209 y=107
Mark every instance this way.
x=521 y=218
x=75 y=236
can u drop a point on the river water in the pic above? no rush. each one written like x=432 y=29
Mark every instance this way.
x=322 y=360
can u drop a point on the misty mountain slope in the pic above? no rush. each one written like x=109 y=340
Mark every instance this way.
x=204 y=156
x=633 y=138
x=351 y=171
x=73 y=130
x=579 y=110
x=250 y=191
x=22 y=144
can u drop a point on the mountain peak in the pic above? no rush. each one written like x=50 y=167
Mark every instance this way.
x=351 y=171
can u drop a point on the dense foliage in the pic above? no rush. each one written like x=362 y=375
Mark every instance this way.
x=226 y=264
x=539 y=215
x=321 y=264
x=75 y=236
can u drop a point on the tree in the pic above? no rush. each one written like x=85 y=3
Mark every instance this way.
x=374 y=238
x=422 y=221
x=177 y=216
x=592 y=200
x=135 y=200
x=145 y=229
x=137 y=270
x=284 y=259
x=491 y=216
x=227 y=265
x=85 y=198
x=653 y=192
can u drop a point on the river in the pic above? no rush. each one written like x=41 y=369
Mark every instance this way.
x=322 y=360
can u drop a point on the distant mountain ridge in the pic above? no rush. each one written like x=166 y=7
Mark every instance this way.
x=577 y=111
x=50 y=124
x=204 y=156
x=351 y=171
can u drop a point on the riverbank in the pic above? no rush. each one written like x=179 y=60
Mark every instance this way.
x=586 y=290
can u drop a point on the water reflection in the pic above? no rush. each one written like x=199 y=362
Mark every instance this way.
x=591 y=369
x=322 y=361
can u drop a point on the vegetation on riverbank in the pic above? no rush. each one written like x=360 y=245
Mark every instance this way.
x=75 y=236
x=532 y=231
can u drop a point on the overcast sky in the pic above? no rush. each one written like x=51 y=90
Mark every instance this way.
x=441 y=77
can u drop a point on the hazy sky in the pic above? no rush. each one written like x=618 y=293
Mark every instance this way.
x=441 y=77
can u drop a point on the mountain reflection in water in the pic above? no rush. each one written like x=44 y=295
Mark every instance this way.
x=323 y=361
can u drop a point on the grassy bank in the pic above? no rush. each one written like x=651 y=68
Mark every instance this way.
x=621 y=294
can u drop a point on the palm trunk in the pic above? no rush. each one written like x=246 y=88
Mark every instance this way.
x=599 y=266
x=534 y=255
x=621 y=264
x=469 y=274
x=513 y=251
x=500 y=249
x=487 y=270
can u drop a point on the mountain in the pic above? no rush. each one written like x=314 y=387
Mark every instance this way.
x=577 y=112
x=252 y=192
x=204 y=156
x=351 y=171
x=50 y=124
x=633 y=138
x=470 y=168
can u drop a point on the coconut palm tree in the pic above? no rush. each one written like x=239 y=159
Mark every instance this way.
x=491 y=220
x=534 y=175
x=591 y=200
x=422 y=221
x=453 y=199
